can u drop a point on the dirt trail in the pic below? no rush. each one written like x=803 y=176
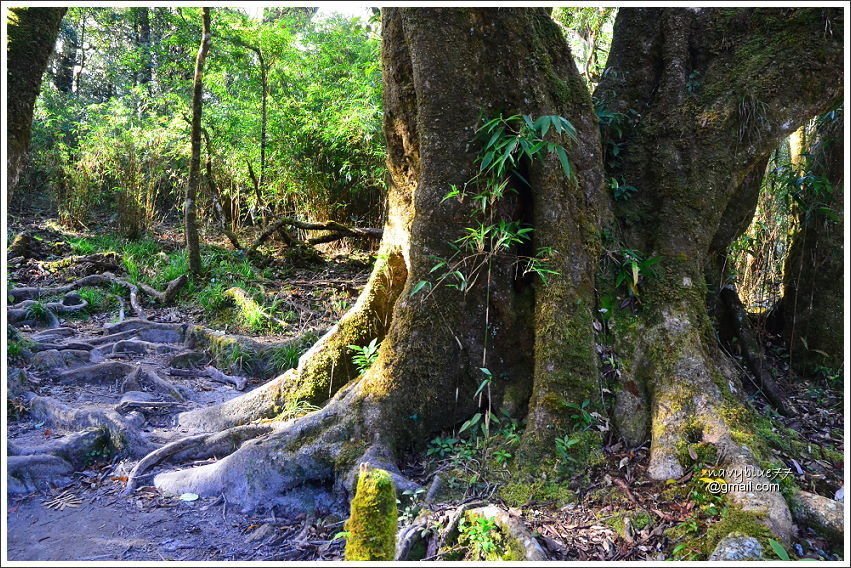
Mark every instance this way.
x=91 y=387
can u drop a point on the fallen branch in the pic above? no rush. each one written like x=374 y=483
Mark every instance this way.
x=339 y=230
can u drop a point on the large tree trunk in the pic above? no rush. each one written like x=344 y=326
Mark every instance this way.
x=813 y=280
x=700 y=88
x=443 y=68
x=190 y=212
x=687 y=154
x=31 y=36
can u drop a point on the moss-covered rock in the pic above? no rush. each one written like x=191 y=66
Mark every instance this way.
x=372 y=524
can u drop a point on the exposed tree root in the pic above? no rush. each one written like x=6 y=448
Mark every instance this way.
x=693 y=397
x=821 y=513
x=33 y=472
x=145 y=403
x=105 y=279
x=100 y=373
x=124 y=431
x=167 y=295
x=52 y=334
x=197 y=447
x=73 y=345
x=299 y=462
x=211 y=373
x=261 y=403
x=72 y=448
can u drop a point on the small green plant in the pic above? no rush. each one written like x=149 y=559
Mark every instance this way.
x=581 y=416
x=620 y=190
x=101 y=450
x=365 y=355
x=287 y=356
x=212 y=297
x=442 y=447
x=563 y=446
x=685 y=551
x=38 y=311
x=176 y=264
x=412 y=507
x=506 y=142
x=632 y=267
x=502 y=456
x=98 y=300
x=134 y=270
x=481 y=536
x=779 y=550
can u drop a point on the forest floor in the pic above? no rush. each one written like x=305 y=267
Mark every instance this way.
x=83 y=513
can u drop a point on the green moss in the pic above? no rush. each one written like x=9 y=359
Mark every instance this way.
x=485 y=539
x=638 y=520
x=706 y=453
x=373 y=519
x=736 y=520
x=733 y=520
x=519 y=493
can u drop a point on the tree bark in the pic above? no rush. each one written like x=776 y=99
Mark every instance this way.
x=687 y=148
x=190 y=215
x=31 y=37
x=813 y=275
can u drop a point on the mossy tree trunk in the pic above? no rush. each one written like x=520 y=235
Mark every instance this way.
x=444 y=69
x=190 y=215
x=31 y=35
x=688 y=154
x=701 y=90
x=813 y=280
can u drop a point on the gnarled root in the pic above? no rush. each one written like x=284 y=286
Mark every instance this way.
x=197 y=447
x=213 y=374
x=124 y=431
x=33 y=293
x=693 y=398
x=308 y=463
x=32 y=472
x=72 y=448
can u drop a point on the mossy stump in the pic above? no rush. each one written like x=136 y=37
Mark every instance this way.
x=372 y=523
